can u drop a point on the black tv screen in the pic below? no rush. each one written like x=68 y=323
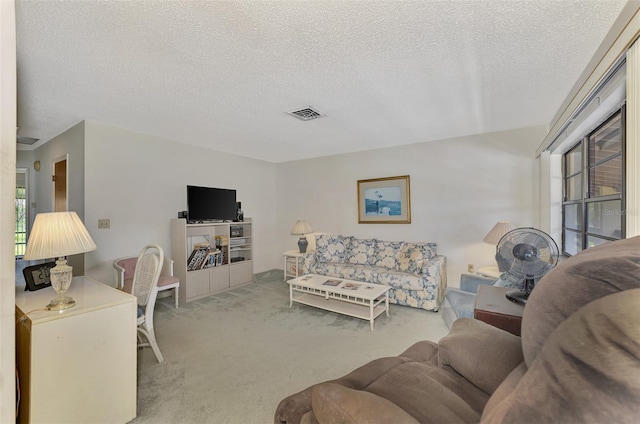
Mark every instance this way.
x=210 y=204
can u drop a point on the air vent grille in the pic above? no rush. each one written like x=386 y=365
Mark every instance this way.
x=306 y=114
x=26 y=140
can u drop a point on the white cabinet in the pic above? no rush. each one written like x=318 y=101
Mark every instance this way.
x=77 y=365
x=235 y=265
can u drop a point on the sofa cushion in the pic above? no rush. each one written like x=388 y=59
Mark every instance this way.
x=333 y=403
x=364 y=273
x=590 y=275
x=410 y=258
x=397 y=279
x=387 y=254
x=482 y=354
x=430 y=394
x=361 y=251
x=330 y=248
x=587 y=371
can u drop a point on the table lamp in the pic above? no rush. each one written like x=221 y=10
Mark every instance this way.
x=301 y=228
x=57 y=235
x=493 y=237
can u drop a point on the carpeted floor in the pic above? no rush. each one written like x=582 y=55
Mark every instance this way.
x=232 y=357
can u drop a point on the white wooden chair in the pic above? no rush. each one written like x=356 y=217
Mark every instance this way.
x=145 y=288
x=126 y=266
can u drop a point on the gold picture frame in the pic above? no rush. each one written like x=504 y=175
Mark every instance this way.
x=384 y=200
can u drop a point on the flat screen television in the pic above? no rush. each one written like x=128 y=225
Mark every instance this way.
x=210 y=204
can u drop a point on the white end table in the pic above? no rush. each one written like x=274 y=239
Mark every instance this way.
x=77 y=365
x=292 y=263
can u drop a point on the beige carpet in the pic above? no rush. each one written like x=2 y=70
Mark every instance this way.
x=231 y=358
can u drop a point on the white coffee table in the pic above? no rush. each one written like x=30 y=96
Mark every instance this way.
x=347 y=297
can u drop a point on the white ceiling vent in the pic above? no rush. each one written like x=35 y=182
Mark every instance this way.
x=26 y=140
x=306 y=114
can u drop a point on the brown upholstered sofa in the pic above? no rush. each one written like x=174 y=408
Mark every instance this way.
x=578 y=360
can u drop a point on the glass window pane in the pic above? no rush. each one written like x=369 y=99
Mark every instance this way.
x=606 y=178
x=572 y=216
x=574 y=188
x=595 y=241
x=572 y=243
x=606 y=142
x=573 y=160
x=605 y=218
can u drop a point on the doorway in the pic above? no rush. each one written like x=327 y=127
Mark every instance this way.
x=22 y=212
x=60 y=203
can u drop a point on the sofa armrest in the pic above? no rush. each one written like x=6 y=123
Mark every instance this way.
x=470 y=282
x=479 y=352
x=308 y=262
x=434 y=274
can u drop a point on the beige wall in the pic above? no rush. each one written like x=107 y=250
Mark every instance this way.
x=459 y=189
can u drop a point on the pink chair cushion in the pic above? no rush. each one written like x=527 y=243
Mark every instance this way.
x=166 y=280
x=128 y=285
x=129 y=266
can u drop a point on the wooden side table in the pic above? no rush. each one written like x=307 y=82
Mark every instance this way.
x=292 y=264
x=495 y=309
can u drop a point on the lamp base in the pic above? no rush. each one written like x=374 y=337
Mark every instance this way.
x=61 y=276
x=60 y=304
x=302 y=244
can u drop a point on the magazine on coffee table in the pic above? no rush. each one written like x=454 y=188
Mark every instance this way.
x=351 y=286
x=332 y=282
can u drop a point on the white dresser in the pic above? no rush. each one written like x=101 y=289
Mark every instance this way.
x=77 y=365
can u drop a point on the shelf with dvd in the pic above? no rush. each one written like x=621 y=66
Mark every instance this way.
x=210 y=257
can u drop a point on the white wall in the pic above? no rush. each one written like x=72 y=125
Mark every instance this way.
x=7 y=208
x=139 y=182
x=459 y=189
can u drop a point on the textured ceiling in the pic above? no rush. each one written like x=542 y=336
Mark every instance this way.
x=222 y=74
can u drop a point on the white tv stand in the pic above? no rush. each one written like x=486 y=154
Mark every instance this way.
x=236 y=270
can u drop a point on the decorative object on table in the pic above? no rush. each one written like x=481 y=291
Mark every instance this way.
x=38 y=276
x=300 y=228
x=57 y=235
x=526 y=254
x=384 y=201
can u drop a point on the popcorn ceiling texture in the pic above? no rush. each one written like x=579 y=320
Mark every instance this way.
x=222 y=74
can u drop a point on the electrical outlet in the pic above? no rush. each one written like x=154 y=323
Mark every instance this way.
x=104 y=223
x=470 y=268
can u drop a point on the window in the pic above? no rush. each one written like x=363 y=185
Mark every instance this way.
x=593 y=193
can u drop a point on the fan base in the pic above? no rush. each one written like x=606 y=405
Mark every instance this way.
x=517 y=296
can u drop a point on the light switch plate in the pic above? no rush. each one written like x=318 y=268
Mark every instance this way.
x=104 y=223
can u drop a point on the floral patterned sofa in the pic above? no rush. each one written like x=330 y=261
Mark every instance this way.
x=414 y=271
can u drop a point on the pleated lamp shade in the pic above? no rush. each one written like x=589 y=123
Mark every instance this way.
x=498 y=230
x=57 y=234
x=301 y=227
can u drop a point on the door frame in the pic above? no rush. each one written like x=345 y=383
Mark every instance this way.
x=64 y=157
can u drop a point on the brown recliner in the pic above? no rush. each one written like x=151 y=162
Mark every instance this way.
x=578 y=360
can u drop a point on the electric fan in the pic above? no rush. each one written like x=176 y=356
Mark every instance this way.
x=526 y=254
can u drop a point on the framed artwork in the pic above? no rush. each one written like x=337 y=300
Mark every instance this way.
x=38 y=276
x=384 y=201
